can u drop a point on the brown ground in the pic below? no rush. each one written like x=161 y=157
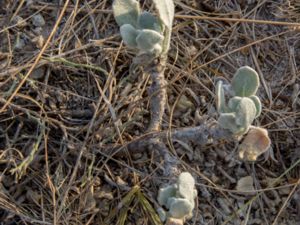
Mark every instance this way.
x=56 y=124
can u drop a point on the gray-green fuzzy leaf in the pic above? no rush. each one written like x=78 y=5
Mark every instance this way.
x=165 y=10
x=126 y=12
x=185 y=186
x=221 y=105
x=257 y=103
x=245 y=82
x=129 y=35
x=166 y=193
x=240 y=118
x=162 y=214
x=233 y=103
x=227 y=121
x=147 y=21
x=180 y=207
x=246 y=112
x=147 y=39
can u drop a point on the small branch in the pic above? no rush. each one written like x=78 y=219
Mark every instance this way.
x=170 y=162
x=158 y=94
x=207 y=133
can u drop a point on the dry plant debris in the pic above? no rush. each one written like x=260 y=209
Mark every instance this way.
x=74 y=114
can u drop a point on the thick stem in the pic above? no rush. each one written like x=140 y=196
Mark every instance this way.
x=166 y=42
x=157 y=91
x=158 y=95
x=170 y=162
x=207 y=133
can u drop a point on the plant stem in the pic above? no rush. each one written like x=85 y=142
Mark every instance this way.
x=158 y=94
x=207 y=133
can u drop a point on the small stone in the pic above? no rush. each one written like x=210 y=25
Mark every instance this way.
x=121 y=183
x=214 y=178
x=37 y=30
x=191 y=50
x=39 y=41
x=38 y=20
x=203 y=100
x=184 y=104
x=38 y=73
x=29 y=2
x=245 y=185
x=137 y=155
x=19 y=21
x=103 y=194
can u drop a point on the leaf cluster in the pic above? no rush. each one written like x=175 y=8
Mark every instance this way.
x=142 y=30
x=179 y=198
x=244 y=106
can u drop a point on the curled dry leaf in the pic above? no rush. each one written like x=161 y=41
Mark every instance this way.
x=256 y=142
x=173 y=221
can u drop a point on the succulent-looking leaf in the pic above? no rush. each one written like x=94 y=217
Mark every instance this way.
x=147 y=21
x=227 y=121
x=157 y=49
x=185 y=187
x=221 y=106
x=162 y=214
x=147 y=39
x=165 y=10
x=245 y=112
x=256 y=142
x=257 y=103
x=165 y=193
x=245 y=82
x=240 y=118
x=233 y=103
x=126 y=12
x=170 y=201
x=159 y=27
x=129 y=35
x=180 y=207
x=178 y=198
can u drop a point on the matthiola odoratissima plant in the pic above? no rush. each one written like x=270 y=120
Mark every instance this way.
x=142 y=30
x=150 y=35
x=178 y=198
x=241 y=110
x=244 y=106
